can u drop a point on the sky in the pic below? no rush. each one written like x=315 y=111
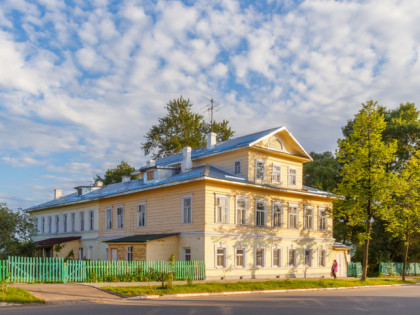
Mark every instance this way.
x=81 y=82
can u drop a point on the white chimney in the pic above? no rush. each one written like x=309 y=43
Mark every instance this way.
x=58 y=193
x=99 y=183
x=211 y=140
x=151 y=163
x=186 y=163
x=125 y=178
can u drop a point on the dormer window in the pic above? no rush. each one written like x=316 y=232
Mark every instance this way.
x=150 y=175
x=259 y=170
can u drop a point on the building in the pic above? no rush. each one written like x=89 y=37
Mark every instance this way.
x=239 y=205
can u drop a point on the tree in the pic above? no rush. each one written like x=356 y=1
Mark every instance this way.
x=180 y=128
x=323 y=172
x=365 y=181
x=403 y=215
x=15 y=233
x=114 y=175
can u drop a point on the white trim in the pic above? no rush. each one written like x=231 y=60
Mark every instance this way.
x=184 y=253
x=120 y=206
x=184 y=197
x=311 y=256
x=322 y=208
x=244 y=257
x=263 y=258
x=289 y=168
x=141 y=203
x=273 y=203
x=273 y=165
x=91 y=228
x=234 y=167
x=290 y=205
x=227 y=214
x=276 y=247
x=305 y=208
x=263 y=201
x=106 y=218
x=225 y=259
x=246 y=199
x=255 y=170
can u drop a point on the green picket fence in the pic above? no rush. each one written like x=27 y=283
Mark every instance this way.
x=354 y=269
x=30 y=269
x=395 y=269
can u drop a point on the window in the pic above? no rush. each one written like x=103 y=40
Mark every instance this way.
x=308 y=218
x=322 y=219
x=277 y=213
x=49 y=224
x=276 y=174
x=259 y=170
x=292 y=176
x=81 y=254
x=108 y=221
x=186 y=209
x=57 y=223
x=292 y=257
x=293 y=216
x=129 y=253
x=187 y=253
x=150 y=175
x=221 y=257
x=120 y=217
x=43 y=225
x=259 y=257
x=73 y=222
x=240 y=257
x=65 y=223
x=308 y=257
x=82 y=221
x=222 y=209
x=91 y=220
x=90 y=252
x=141 y=214
x=237 y=167
x=260 y=213
x=322 y=257
x=241 y=210
x=36 y=225
x=276 y=257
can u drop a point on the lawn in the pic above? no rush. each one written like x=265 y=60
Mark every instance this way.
x=213 y=287
x=16 y=295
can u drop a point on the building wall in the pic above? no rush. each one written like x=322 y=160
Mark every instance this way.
x=226 y=161
x=162 y=249
x=139 y=251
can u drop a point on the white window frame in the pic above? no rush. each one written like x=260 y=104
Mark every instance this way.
x=225 y=259
x=289 y=216
x=82 y=222
x=322 y=220
x=223 y=217
x=291 y=178
x=65 y=223
x=263 y=260
x=276 y=174
x=91 y=220
x=258 y=213
x=129 y=253
x=186 y=218
x=241 y=214
x=186 y=251
x=257 y=177
x=308 y=220
x=320 y=251
x=36 y=225
x=278 y=214
x=279 y=250
x=57 y=223
x=42 y=225
x=81 y=253
x=311 y=256
x=49 y=224
x=120 y=217
x=296 y=254
x=237 y=170
x=73 y=222
x=243 y=248
x=108 y=218
x=141 y=211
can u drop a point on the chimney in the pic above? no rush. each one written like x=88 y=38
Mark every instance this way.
x=58 y=193
x=186 y=163
x=125 y=178
x=151 y=163
x=99 y=183
x=211 y=140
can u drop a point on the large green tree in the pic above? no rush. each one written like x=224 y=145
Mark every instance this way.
x=180 y=127
x=403 y=213
x=365 y=182
x=114 y=175
x=322 y=172
x=15 y=233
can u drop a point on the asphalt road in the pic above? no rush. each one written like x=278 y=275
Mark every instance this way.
x=385 y=300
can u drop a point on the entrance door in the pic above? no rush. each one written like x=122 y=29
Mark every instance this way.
x=341 y=261
x=114 y=254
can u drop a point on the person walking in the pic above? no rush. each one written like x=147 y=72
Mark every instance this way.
x=334 y=269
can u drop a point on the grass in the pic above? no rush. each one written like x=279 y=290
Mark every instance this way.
x=17 y=295
x=213 y=287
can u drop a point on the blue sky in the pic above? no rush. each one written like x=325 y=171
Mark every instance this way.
x=81 y=82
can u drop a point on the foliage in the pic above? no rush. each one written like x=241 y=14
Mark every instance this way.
x=58 y=248
x=180 y=128
x=403 y=215
x=17 y=295
x=137 y=275
x=365 y=181
x=70 y=255
x=15 y=233
x=114 y=175
x=323 y=172
x=213 y=287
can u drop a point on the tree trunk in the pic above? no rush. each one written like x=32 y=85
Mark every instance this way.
x=405 y=260
x=366 y=251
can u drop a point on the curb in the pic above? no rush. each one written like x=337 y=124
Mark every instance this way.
x=182 y=295
x=5 y=304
